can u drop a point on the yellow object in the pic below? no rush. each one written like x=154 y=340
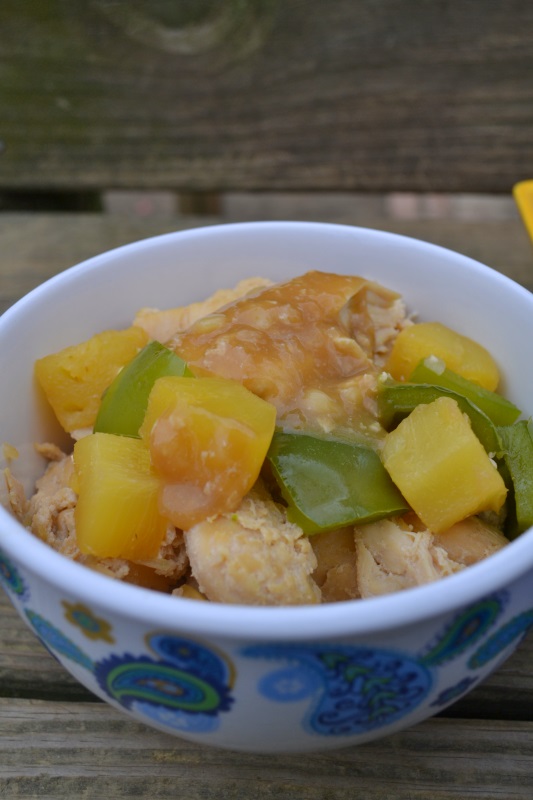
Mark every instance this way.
x=75 y=378
x=208 y=438
x=460 y=354
x=10 y=452
x=523 y=195
x=190 y=593
x=117 y=511
x=441 y=467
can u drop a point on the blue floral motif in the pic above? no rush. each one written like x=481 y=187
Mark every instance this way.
x=56 y=641
x=290 y=684
x=355 y=689
x=514 y=629
x=11 y=578
x=452 y=693
x=188 y=680
x=466 y=629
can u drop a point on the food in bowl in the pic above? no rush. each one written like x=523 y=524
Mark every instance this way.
x=283 y=443
x=262 y=678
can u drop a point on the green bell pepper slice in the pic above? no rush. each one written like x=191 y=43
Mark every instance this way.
x=396 y=400
x=124 y=403
x=517 y=471
x=433 y=371
x=329 y=484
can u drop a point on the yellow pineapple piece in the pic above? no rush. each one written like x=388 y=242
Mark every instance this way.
x=460 y=354
x=75 y=378
x=441 y=467
x=117 y=510
x=208 y=438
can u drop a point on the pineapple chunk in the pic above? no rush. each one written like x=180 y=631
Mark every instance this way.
x=208 y=438
x=460 y=354
x=75 y=378
x=117 y=511
x=441 y=467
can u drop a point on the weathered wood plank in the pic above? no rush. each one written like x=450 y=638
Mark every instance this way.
x=50 y=751
x=33 y=247
x=251 y=94
x=26 y=668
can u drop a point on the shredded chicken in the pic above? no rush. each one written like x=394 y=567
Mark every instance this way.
x=471 y=540
x=51 y=509
x=392 y=556
x=16 y=498
x=336 y=571
x=163 y=325
x=253 y=556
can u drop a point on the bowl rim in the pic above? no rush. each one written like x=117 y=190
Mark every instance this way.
x=230 y=621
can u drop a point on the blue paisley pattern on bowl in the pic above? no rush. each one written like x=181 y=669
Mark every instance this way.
x=177 y=720
x=12 y=579
x=514 y=630
x=352 y=689
x=56 y=641
x=452 y=693
x=466 y=629
x=188 y=679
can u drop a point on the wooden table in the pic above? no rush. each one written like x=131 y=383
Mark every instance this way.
x=57 y=740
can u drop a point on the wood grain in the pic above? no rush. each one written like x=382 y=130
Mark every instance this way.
x=33 y=247
x=265 y=94
x=52 y=750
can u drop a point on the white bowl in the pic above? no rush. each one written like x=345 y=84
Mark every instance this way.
x=263 y=679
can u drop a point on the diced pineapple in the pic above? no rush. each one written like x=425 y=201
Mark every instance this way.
x=441 y=467
x=459 y=353
x=208 y=438
x=117 y=511
x=75 y=378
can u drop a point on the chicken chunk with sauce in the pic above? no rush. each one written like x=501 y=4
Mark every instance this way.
x=307 y=346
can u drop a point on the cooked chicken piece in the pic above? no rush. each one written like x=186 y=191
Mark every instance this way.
x=9 y=452
x=470 y=541
x=16 y=497
x=374 y=316
x=391 y=558
x=172 y=561
x=336 y=572
x=51 y=509
x=162 y=325
x=300 y=345
x=253 y=556
x=50 y=451
x=392 y=555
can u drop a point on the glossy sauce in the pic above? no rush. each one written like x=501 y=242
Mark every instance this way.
x=306 y=346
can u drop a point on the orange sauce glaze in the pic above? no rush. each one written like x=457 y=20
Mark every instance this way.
x=304 y=345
